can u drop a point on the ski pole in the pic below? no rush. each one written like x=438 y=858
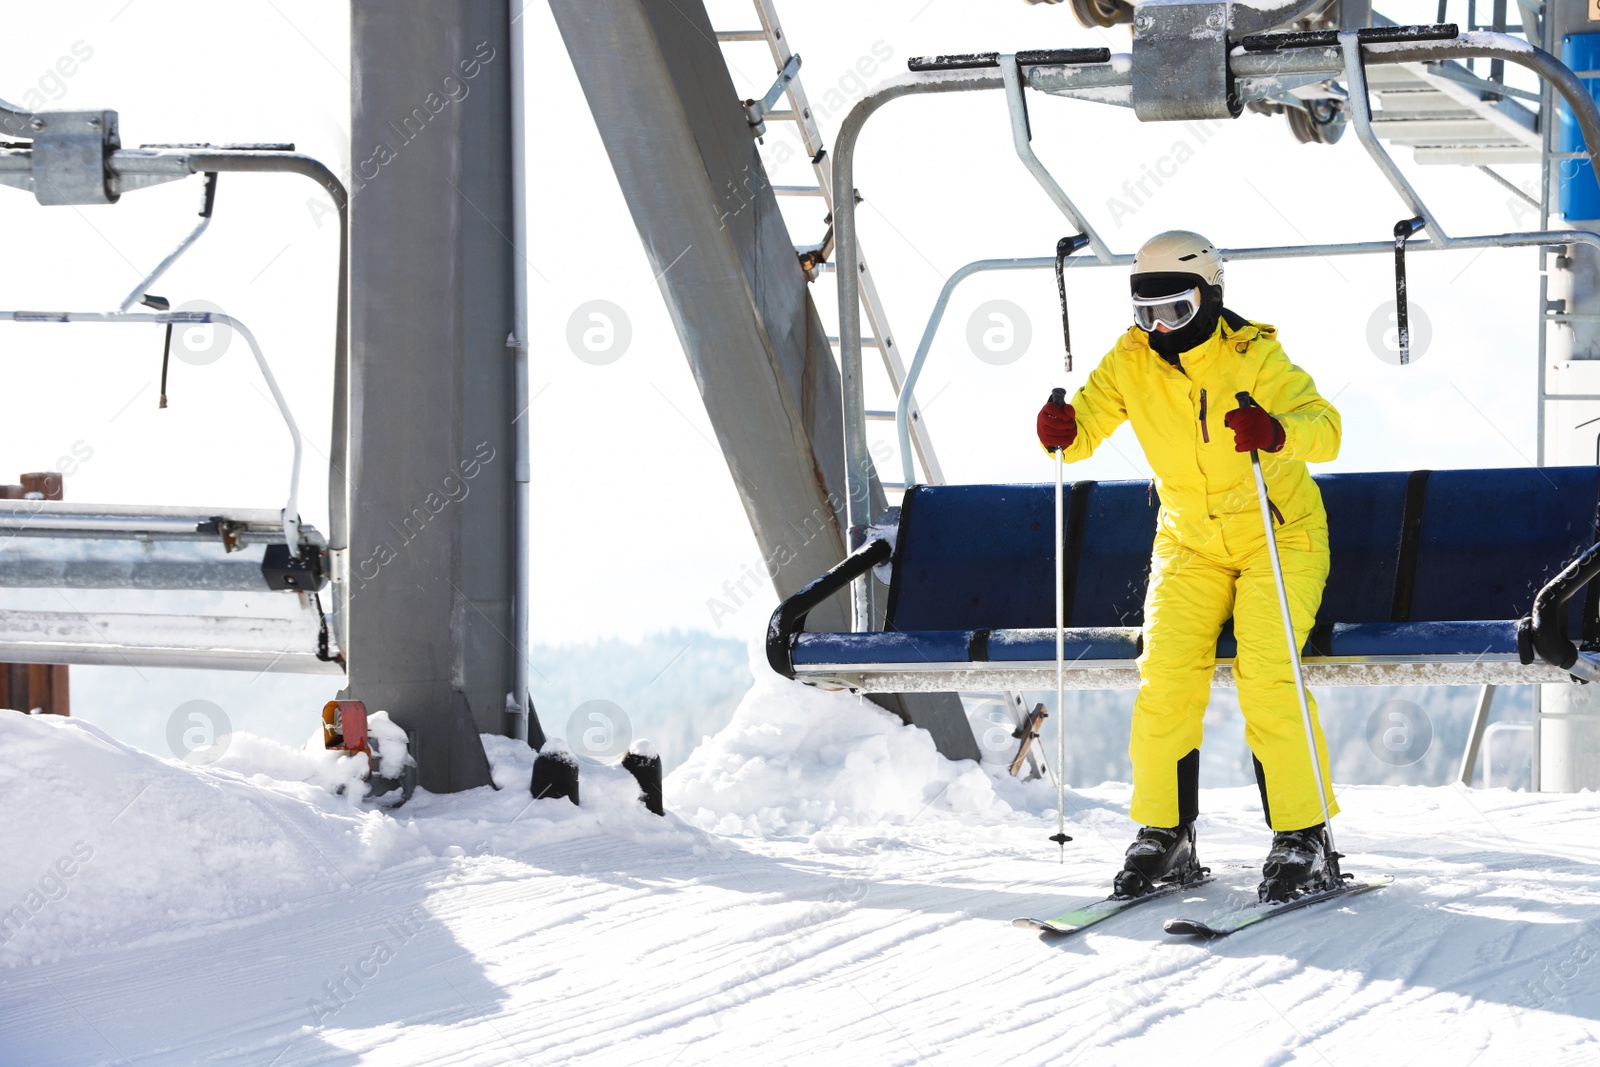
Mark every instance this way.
x=1059 y=396
x=1246 y=401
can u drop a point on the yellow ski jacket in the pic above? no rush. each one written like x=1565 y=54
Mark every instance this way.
x=1208 y=495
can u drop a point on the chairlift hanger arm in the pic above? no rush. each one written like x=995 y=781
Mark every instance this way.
x=1360 y=105
x=207 y=203
x=1533 y=239
x=1323 y=62
x=1021 y=138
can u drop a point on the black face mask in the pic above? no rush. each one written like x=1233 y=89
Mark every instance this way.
x=1195 y=332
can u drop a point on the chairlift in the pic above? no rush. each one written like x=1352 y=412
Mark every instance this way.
x=1420 y=592
x=74 y=546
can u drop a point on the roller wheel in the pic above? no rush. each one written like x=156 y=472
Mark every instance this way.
x=1102 y=12
x=1319 y=122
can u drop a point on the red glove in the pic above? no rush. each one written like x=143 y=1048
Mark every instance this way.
x=1254 y=428
x=1057 y=423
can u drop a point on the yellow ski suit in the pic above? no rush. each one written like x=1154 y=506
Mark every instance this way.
x=1210 y=558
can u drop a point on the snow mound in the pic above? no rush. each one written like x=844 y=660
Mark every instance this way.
x=134 y=843
x=798 y=760
x=105 y=846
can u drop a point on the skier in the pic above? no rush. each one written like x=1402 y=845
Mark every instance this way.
x=1172 y=375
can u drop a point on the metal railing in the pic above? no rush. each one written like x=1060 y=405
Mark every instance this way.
x=291 y=509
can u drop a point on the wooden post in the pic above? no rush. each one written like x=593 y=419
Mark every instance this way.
x=46 y=483
x=26 y=686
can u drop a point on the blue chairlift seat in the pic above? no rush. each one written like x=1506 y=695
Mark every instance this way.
x=1431 y=579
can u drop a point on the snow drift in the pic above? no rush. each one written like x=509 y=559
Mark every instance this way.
x=105 y=845
x=797 y=760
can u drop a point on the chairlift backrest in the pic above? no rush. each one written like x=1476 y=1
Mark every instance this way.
x=1118 y=527
x=1365 y=515
x=968 y=556
x=1440 y=546
x=1491 y=538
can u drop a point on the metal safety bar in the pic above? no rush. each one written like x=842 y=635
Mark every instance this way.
x=291 y=510
x=1535 y=238
x=1106 y=82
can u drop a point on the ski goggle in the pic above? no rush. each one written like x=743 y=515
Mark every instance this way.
x=1173 y=311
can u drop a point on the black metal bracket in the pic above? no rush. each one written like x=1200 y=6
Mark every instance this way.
x=1403 y=231
x=225 y=530
x=208 y=195
x=1064 y=248
x=812 y=257
x=791 y=614
x=287 y=573
x=161 y=303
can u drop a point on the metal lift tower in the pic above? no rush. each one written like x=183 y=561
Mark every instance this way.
x=432 y=484
x=685 y=154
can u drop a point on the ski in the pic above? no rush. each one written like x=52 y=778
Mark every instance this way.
x=1232 y=919
x=1089 y=912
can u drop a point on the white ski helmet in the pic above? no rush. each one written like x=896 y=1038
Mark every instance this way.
x=1179 y=252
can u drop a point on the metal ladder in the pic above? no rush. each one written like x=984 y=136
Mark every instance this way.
x=787 y=82
x=1447 y=114
x=799 y=112
x=1445 y=119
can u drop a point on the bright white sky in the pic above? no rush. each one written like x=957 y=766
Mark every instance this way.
x=637 y=520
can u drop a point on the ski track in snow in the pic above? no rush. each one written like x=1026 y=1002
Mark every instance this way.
x=824 y=889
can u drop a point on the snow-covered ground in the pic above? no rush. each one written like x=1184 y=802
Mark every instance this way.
x=825 y=888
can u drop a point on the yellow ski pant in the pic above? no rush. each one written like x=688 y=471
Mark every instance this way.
x=1190 y=595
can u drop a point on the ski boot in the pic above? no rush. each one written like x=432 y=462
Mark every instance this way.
x=1299 y=862
x=1158 y=855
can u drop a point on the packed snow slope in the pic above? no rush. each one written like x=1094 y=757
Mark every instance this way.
x=825 y=888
